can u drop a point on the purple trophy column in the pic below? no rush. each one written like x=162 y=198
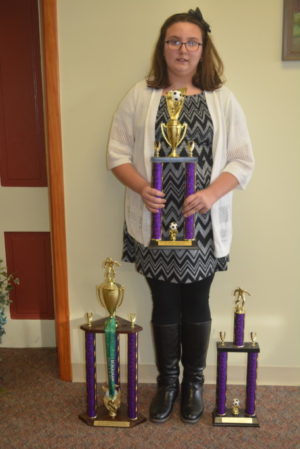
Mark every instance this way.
x=157 y=172
x=221 y=382
x=189 y=190
x=91 y=379
x=251 y=383
x=132 y=374
x=239 y=324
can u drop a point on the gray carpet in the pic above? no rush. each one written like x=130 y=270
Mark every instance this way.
x=39 y=411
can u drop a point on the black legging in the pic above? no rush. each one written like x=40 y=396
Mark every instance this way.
x=176 y=303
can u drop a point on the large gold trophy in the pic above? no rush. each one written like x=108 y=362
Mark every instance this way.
x=173 y=133
x=112 y=413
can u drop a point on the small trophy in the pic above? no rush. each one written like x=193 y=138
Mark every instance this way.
x=173 y=132
x=111 y=413
x=89 y=317
x=236 y=416
x=235 y=409
x=222 y=338
x=132 y=318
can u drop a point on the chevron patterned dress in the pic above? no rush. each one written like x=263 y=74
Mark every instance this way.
x=181 y=265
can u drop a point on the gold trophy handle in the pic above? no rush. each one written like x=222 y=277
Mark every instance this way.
x=183 y=134
x=190 y=148
x=122 y=290
x=157 y=147
x=162 y=126
x=101 y=299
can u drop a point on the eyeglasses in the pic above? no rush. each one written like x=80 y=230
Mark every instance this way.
x=175 y=44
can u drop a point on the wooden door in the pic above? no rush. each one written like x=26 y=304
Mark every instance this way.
x=13 y=203
x=24 y=219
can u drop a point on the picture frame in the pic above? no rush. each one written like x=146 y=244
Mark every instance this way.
x=291 y=30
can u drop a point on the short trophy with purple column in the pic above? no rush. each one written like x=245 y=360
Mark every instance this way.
x=173 y=133
x=235 y=415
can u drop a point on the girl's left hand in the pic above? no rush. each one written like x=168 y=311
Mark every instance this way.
x=200 y=201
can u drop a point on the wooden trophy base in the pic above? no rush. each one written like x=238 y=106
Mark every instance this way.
x=104 y=420
x=230 y=420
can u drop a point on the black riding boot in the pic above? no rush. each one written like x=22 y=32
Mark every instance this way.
x=167 y=349
x=195 y=340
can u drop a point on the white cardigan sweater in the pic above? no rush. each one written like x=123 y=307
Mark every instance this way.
x=132 y=141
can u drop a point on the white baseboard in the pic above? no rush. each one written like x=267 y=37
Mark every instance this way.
x=266 y=375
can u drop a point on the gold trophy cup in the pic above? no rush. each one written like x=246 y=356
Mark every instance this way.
x=110 y=293
x=174 y=132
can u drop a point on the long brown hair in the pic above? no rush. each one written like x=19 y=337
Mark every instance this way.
x=210 y=69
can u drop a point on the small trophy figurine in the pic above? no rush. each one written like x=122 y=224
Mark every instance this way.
x=132 y=317
x=253 y=338
x=239 y=316
x=222 y=338
x=173 y=231
x=89 y=317
x=240 y=299
x=235 y=407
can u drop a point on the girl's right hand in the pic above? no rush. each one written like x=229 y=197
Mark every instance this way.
x=153 y=199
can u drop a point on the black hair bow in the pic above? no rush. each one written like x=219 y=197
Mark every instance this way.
x=197 y=14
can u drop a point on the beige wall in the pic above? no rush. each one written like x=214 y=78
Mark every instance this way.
x=104 y=49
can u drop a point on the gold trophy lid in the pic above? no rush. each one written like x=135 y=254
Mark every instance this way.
x=175 y=100
x=240 y=300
